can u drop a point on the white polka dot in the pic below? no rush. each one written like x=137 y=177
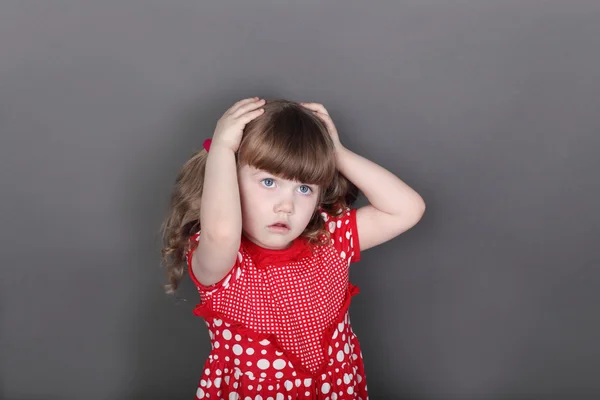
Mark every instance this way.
x=218 y=382
x=226 y=334
x=288 y=385
x=298 y=382
x=350 y=390
x=233 y=396
x=216 y=345
x=217 y=322
x=258 y=397
x=249 y=351
x=340 y=356
x=307 y=382
x=332 y=226
x=279 y=364
x=343 y=255
x=279 y=375
x=341 y=326
x=347 y=378
x=238 y=350
x=325 y=388
x=263 y=364
x=238 y=337
x=265 y=342
x=200 y=393
x=346 y=349
x=280 y=396
x=263 y=352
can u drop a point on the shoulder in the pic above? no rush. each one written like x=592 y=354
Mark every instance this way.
x=343 y=232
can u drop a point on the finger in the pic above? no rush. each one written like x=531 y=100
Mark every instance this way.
x=241 y=103
x=326 y=119
x=245 y=118
x=321 y=115
x=253 y=105
x=315 y=107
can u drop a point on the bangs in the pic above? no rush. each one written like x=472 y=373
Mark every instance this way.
x=289 y=142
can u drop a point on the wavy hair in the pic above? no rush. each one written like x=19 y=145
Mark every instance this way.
x=287 y=140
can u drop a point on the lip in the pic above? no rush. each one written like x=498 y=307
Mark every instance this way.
x=279 y=229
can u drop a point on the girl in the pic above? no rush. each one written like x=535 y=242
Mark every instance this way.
x=261 y=220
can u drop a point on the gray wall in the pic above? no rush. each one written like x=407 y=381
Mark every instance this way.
x=488 y=108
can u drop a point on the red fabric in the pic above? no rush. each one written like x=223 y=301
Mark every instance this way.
x=279 y=322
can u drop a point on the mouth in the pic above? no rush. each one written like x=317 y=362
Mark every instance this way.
x=279 y=227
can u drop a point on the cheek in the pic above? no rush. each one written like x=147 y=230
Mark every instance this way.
x=308 y=208
x=253 y=203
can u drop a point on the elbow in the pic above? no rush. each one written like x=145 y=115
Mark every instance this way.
x=419 y=209
x=220 y=235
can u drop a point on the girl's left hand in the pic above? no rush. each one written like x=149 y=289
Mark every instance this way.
x=320 y=111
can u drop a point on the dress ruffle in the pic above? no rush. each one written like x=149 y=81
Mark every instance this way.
x=235 y=347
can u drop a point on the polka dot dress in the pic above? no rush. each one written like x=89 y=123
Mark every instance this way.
x=279 y=324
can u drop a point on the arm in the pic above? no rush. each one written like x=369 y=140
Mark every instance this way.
x=220 y=208
x=220 y=218
x=395 y=207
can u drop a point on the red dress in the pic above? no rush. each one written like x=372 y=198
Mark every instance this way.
x=279 y=324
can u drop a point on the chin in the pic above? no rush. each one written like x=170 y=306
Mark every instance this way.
x=280 y=241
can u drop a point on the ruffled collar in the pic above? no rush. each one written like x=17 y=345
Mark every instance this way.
x=264 y=258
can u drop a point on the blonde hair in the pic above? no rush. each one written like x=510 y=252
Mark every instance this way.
x=287 y=140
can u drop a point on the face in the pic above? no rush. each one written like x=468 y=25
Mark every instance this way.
x=267 y=199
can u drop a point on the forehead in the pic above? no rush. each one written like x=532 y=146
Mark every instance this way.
x=249 y=172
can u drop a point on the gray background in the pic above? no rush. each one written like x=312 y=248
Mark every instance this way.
x=488 y=108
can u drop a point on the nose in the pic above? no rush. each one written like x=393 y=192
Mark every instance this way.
x=285 y=205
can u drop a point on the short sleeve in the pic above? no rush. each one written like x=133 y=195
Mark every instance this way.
x=227 y=280
x=344 y=234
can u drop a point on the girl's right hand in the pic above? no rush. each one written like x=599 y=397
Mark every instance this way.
x=230 y=126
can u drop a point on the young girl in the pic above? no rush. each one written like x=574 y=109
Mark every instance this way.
x=261 y=220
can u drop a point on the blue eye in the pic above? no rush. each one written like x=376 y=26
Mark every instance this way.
x=309 y=189
x=268 y=179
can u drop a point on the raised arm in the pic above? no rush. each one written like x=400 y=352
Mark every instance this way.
x=220 y=212
x=394 y=206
